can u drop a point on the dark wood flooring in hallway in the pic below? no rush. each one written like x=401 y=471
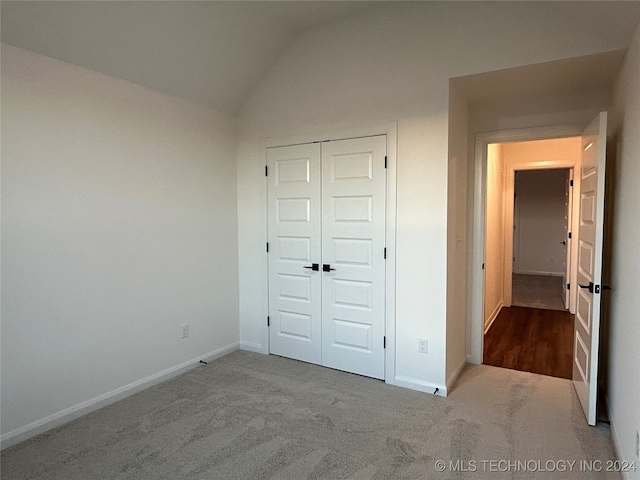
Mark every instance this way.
x=531 y=340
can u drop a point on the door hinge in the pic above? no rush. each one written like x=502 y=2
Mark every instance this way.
x=571 y=183
x=569 y=235
x=267 y=247
x=385 y=253
x=385 y=161
x=266 y=171
x=483 y=266
x=268 y=321
x=568 y=286
x=384 y=342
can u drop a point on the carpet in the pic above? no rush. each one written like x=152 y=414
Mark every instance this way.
x=251 y=416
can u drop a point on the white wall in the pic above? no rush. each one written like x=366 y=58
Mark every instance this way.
x=562 y=107
x=495 y=238
x=391 y=64
x=118 y=225
x=624 y=360
x=456 y=349
x=540 y=222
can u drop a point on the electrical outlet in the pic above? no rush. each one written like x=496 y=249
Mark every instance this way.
x=185 y=330
x=422 y=345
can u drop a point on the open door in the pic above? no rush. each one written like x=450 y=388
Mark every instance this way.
x=587 y=323
x=567 y=242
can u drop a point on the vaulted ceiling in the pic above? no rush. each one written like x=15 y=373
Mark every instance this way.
x=211 y=52
x=217 y=52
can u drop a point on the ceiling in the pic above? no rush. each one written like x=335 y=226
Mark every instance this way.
x=211 y=52
x=217 y=52
x=571 y=73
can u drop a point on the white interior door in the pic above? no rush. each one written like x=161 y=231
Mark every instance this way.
x=568 y=208
x=294 y=243
x=516 y=233
x=587 y=323
x=353 y=252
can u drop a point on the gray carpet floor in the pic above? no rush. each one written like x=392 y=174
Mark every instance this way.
x=538 y=291
x=250 y=416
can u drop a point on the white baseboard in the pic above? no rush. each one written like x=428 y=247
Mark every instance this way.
x=493 y=317
x=420 y=385
x=456 y=373
x=539 y=272
x=618 y=447
x=68 y=414
x=251 y=346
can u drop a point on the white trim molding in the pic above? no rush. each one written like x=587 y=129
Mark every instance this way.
x=454 y=376
x=492 y=317
x=617 y=445
x=251 y=347
x=537 y=272
x=68 y=414
x=421 y=385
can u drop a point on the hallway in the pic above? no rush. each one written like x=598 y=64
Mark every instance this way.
x=538 y=291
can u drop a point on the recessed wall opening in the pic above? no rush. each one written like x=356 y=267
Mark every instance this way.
x=528 y=255
x=584 y=153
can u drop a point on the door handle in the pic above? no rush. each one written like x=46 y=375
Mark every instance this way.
x=588 y=287
x=314 y=266
x=327 y=267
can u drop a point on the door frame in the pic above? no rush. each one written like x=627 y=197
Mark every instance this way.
x=475 y=319
x=571 y=226
x=322 y=135
x=509 y=208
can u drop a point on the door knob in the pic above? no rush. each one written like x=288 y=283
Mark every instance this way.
x=314 y=266
x=327 y=267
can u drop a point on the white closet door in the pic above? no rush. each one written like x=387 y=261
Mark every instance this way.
x=353 y=242
x=294 y=243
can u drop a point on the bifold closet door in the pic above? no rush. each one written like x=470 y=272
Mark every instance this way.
x=294 y=242
x=353 y=243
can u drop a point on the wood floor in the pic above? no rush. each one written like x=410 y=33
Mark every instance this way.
x=531 y=340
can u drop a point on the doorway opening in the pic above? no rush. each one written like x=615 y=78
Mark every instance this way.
x=542 y=238
x=528 y=255
x=586 y=254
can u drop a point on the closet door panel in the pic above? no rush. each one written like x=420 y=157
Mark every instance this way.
x=353 y=242
x=294 y=242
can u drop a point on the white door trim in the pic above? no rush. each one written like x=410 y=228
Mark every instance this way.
x=391 y=131
x=509 y=188
x=475 y=320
